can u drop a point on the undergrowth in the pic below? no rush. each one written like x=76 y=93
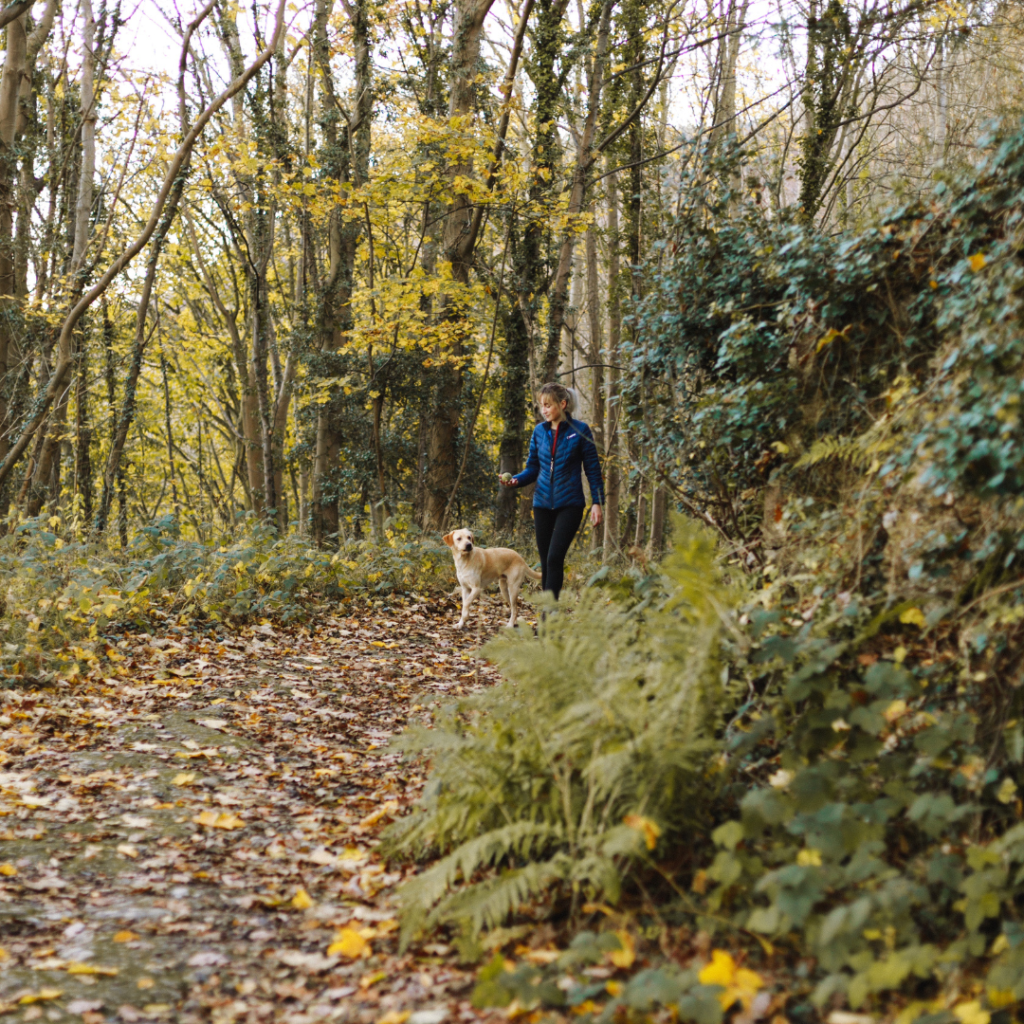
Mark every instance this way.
x=61 y=594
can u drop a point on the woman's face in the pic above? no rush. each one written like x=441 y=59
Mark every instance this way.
x=551 y=410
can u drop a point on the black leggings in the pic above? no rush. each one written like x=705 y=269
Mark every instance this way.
x=556 y=528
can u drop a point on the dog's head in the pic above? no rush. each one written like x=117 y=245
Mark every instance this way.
x=460 y=541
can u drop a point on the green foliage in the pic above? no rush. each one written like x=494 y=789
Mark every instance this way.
x=531 y=986
x=563 y=776
x=860 y=807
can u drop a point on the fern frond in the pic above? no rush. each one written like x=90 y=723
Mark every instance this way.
x=843 y=449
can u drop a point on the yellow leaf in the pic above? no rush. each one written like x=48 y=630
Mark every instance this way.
x=1006 y=794
x=613 y=988
x=4 y=955
x=395 y=1017
x=127 y=850
x=828 y=337
x=1000 y=997
x=971 y=1013
x=809 y=858
x=720 y=971
x=145 y=983
x=223 y=820
x=367 y=981
x=43 y=993
x=739 y=983
x=623 y=957
x=78 y=968
x=8 y=869
x=349 y=944
x=183 y=778
x=302 y=900
x=384 y=811
x=913 y=617
x=125 y=936
x=650 y=829
x=897 y=709
x=977 y=262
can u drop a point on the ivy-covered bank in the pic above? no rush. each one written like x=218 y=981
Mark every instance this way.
x=801 y=739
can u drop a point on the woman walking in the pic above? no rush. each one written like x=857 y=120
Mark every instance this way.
x=559 y=447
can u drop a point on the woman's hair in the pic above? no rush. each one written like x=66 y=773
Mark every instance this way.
x=560 y=393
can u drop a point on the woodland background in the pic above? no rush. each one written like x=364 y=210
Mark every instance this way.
x=274 y=317
x=332 y=294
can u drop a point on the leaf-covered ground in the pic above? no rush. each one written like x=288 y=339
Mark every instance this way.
x=188 y=828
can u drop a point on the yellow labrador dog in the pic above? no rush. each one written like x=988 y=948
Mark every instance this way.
x=477 y=568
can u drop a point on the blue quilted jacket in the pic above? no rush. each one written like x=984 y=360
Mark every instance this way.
x=559 y=484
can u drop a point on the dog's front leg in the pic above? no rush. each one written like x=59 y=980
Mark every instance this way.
x=469 y=595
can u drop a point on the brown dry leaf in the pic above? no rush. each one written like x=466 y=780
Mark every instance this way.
x=385 y=810
x=125 y=936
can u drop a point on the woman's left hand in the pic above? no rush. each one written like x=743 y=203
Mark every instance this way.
x=595 y=515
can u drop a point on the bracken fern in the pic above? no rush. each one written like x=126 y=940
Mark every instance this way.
x=606 y=716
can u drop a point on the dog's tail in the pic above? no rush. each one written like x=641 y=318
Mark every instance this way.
x=533 y=574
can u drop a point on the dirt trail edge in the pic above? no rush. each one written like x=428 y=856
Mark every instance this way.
x=188 y=828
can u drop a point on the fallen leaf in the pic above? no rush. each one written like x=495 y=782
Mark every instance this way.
x=183 y=779
x=224 y=820
x=127 y=850
x=41 y=996
x=79 y=1006
x=145 y=983
x=8 y=869
x=302 y=900
x=125 y=936
x=348 y=943
x=218 y=724
x=625 y=956
x=315 y=962
x=384 y=811
x=79 y=968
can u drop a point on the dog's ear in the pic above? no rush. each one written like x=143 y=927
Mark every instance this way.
x=447 y=538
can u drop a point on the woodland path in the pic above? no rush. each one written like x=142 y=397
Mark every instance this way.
x=186 y=832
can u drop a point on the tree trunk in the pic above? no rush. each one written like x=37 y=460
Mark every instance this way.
x=658 y=515
x=612 y=478
x=348 y=164
x=584 y=161
x=442 y=457
x=513 y=405
x=595 y=356
x=83 y=435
